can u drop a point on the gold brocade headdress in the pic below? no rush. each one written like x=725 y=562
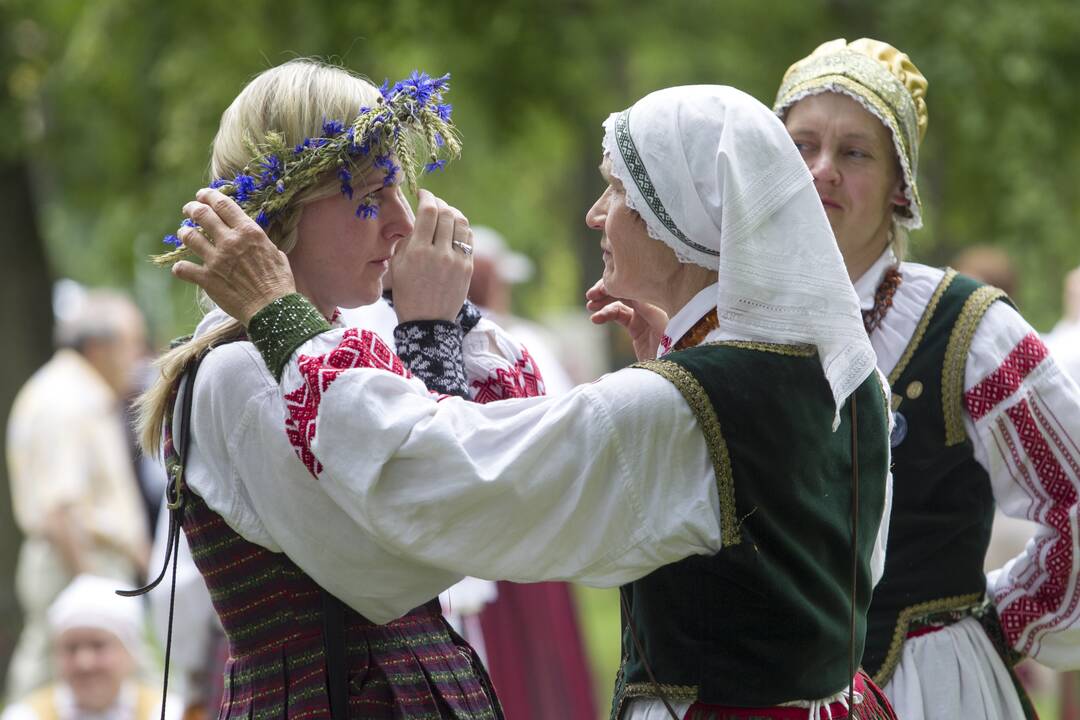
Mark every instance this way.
x=884 y=81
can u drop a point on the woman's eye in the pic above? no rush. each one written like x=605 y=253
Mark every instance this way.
x=857 y=154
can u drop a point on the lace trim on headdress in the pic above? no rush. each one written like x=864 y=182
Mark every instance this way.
x=888 y=119
x=641 y=196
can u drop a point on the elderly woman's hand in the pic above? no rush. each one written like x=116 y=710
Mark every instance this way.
x=242 y=270
x=645 y=322
x=432 y=268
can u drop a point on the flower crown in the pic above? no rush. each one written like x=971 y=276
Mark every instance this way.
x=278 y=172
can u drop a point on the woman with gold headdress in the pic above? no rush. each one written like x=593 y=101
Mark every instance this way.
x=983 y=415
x=720 y=485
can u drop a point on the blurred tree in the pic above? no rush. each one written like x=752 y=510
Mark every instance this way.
x=24 y=281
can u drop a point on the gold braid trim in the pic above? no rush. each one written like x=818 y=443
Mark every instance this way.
x=904 y=620
x=779 y=349
x=671 y=692
x=920 y=329
x=698 y=401
x=956 y=352
x=687 y=693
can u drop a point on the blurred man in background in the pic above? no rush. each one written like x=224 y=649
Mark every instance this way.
x=74 y=493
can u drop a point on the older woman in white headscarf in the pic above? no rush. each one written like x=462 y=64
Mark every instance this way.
x=98 y=651
x=715 y=484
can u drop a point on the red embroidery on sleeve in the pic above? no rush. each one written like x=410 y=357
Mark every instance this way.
x=1006 y=380
x=521 y=380
x=1052 y=590
x=357 y=349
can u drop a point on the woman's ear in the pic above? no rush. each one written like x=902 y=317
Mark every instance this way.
x=898 y=197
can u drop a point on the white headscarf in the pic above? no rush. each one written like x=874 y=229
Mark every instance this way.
x=716 y=177
x=91 y=602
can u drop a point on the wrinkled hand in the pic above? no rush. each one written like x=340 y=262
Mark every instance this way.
x=242 y=270
x=431 y=275
x=645 y=322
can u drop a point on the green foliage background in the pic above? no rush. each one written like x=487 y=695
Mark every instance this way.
x=108 y=108
x=115 y=102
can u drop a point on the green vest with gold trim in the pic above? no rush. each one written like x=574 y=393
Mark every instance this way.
x=943 y=506
x=766 y=619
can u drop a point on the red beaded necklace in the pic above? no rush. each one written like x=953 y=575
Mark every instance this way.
x=883 y=298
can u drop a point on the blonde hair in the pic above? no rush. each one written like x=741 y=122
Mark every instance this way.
x=293 y=99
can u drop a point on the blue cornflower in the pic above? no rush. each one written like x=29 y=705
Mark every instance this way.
x=280 y=187
x=188 y=222
x=441 y=84
x=173 y=240
x=391 y=175
x=262 y=219
x=367 y=210
x=435 y=165
x=301 y=147
x=271 y=172
x=439 y=142
x=333 y=128
x=245 y=185
x=419 y=85
x=387 y=91
x=346 y=182
x=444 y=110
x=218 y=182
x=384 y=161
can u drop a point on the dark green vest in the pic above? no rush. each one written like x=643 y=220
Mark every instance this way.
x=943 y=506
x=765 y=620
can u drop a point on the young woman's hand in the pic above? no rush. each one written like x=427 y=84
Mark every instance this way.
x=242 y=270
x=432 y=268
x=644 y=322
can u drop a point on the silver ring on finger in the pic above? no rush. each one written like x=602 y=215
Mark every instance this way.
x=463 y=247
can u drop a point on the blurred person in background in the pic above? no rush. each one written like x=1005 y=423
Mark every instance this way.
x=984 y=416
x=496 y=270
x=528 y=632
x=988 y=264
x=97 y=650
x=1064 y=339
x=73 y=486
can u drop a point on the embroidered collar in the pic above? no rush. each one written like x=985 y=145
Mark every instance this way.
x=687 y=317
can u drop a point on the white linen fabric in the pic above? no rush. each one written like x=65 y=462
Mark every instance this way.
x=1028 y=441
x=527 y=489
x=715 y=176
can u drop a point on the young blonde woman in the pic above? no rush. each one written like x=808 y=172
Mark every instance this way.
x=984 y=416
x=320 y=155
x=717 y=485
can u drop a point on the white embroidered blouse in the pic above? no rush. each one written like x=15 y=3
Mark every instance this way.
x=1022 y=413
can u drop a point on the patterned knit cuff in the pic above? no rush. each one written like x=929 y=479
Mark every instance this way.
x=468 y=316
x=431 y=349
x=282 y=326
